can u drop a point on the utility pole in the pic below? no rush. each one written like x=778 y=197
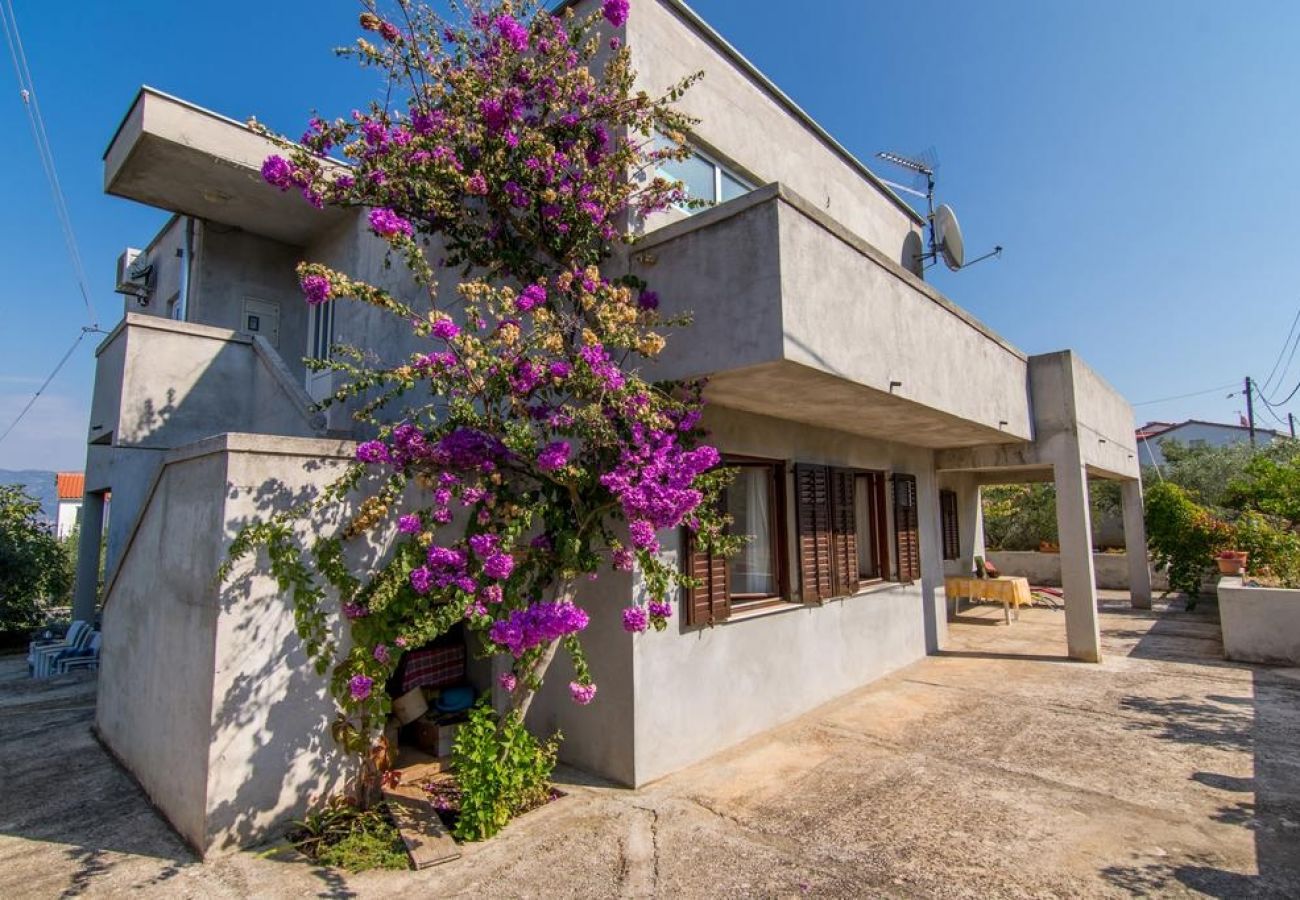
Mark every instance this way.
x=1250 y=408
x=1290 y=419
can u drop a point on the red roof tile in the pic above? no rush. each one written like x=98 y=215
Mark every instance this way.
x=71 y=485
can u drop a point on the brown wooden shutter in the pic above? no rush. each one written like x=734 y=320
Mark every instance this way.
x=710 y=602
x=907 y=532
x=813 y=521
x=948 y=522
x=844 y=532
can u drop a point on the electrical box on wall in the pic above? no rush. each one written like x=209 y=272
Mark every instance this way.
x=133 y=271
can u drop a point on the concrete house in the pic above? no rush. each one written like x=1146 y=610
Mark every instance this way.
x=1195 y=433
x=863 y=408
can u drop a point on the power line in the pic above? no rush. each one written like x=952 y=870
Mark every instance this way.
x=1284 y=402
x=27 y=90
x=1213 y=390
x=1287 y=343
x=46 y=383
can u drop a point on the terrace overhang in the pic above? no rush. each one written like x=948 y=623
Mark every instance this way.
x=185 y=159
x=796 y=317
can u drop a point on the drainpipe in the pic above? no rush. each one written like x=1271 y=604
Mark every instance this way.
x=182 y=311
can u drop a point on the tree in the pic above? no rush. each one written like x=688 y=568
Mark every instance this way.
x=507 y=160
x=33 y=565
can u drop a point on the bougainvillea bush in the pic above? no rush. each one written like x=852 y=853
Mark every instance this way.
x=506 y=161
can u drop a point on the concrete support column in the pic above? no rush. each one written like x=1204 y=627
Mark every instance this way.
x=1078 y=579
x=86 y=597
x=970 y=521
x=1135 y=544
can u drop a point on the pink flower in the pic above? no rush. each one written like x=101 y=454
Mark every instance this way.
x=508 y=681
x=623 y=559
x=386 y=223
x=660 y=610
x=533 y=296
x=554 y=456
x=359 y=686
x=317 y=288
x=582 y=693
x=445 y=329
x=615 y=12
x=409 y=524
x=381 y=653
x=635 y=620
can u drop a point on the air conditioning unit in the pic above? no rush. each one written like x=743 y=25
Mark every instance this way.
x=133 y=271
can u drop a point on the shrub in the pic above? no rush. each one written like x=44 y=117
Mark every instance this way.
x=1183 y=537
x=501 y=769
x=350 y=838
x=33 y=566
x=1270 y=547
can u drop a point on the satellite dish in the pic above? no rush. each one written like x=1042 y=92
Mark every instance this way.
x=948 y=233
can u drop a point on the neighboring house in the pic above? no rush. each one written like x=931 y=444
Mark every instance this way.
x=69 y=488
x=863 y=408
x=1194 y=433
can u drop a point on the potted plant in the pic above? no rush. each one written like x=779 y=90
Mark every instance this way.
x=1231 y=562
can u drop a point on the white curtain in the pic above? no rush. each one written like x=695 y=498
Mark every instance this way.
x=749 y=503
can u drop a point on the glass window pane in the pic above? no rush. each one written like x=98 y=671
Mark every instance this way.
x=732 y=187
x=749 y=503
x=864 y=508
x=696 y=173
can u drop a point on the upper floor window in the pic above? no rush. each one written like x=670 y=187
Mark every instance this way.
x=705 y=179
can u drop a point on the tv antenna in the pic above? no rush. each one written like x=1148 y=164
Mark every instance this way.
x=946 y=242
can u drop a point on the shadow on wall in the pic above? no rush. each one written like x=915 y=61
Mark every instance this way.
x=1266 y=725
x=273 y=756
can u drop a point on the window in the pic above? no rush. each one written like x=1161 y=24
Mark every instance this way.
x=755 y=574
x=872 y=528
x=842 y=530
x=704 y=178
x=948 y=524
x=322 y=330
x=907 y=532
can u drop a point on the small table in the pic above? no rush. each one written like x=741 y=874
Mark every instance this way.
x=1009 y=590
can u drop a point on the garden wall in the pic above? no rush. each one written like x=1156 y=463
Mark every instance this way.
x=1045 y=569
x=1260 y=625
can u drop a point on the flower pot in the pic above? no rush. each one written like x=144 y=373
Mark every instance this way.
x=1231 y=565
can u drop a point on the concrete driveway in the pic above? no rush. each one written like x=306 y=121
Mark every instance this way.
x=995 y=770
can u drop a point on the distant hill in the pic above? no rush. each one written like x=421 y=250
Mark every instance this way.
x=39 y=484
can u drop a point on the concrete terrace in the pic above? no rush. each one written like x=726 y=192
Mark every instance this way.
x=997 y=769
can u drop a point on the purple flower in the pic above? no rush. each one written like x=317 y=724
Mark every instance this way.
x=359 y=686
x=648 y=300
x=615 y=11
x=421 y=580
x=554 y=456
x=537 y=624
x=643 y=535
x=499 y=566
x=532 y=297
x=278 y=171
x=582 y=693
x=380 y=653
x=409 y=524
x=317 y=288
x=660 y=610
x=445 y=329
x=635 y=619
x=389 y=31
x=386 y=223
x=623 y=559
x=560 y=370
x=492 y=593
x=484 y=545
x=372 y=452
x=508 y=681
x=515 y=35
x=355 y=611
x=476 y=185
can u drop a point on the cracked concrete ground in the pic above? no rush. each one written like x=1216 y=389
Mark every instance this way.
x=997 y=769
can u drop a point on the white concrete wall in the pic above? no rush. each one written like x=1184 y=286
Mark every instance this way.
x=1260 y=625
x=754 y=130
x=205 y=692
x=1207 y=434
x=700 y=690
x=1112 y=569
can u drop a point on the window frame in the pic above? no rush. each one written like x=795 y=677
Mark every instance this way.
x=777 y=526
x=948 y=508
x=718 y=169
x=877 y=514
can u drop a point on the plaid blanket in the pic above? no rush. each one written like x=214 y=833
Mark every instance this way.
x=433 y=667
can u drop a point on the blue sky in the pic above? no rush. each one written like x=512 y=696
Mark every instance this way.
x=1135 y=159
